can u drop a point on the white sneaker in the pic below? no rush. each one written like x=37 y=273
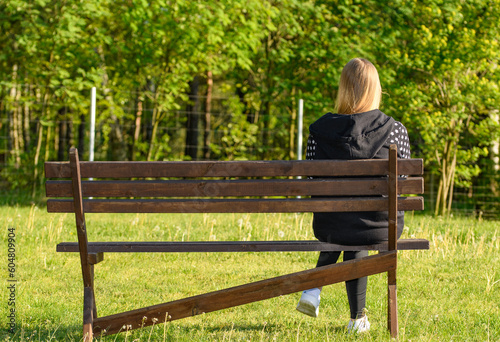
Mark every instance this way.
x=358 y=325
x=309 y=304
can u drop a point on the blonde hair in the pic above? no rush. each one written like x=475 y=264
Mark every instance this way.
x=359 y=89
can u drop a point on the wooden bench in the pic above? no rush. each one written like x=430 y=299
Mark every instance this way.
x=233 y=187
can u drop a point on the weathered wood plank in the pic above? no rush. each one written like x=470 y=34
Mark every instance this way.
x=233 y=246
x=236 y=205
x=392 y=310
x=94 y=257
x=222 y=188
x=78 y=209
x=88 y=314
x=193 y=169
x=393 y=197
x=247 y=293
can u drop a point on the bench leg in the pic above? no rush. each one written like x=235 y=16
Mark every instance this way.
x=89 y=307
x=392 y=305
x=88 y=314
x=94 y=308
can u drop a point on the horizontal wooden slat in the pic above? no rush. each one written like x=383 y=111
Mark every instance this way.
x=222 y=188
x=233 y=246
x=192 y=169
x=248 y=293
x=237 y=205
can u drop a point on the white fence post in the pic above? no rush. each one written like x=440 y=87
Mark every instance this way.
x=299 y=132
x=92 y=123
x=299 y=129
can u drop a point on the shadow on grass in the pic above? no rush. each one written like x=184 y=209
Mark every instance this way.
x=45 y=332
x=232 y=327
x=172 y=331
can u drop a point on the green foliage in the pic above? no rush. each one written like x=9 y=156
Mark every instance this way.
x=236 y=138
x=437 y=59
x=445 y=85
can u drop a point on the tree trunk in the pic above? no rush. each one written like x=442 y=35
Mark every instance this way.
x=193 y=120
x=447 y=167
x=15 y=128
x=154 y=131
x=13 y=124
x=65 y=136
x=292 y=154
x=138 y=117
x=155 y=122
x=36 y=158
x=451 y=181
x=447 y=179
x=265 y=108
x=117 y=140
x=26 y=123
x=62 y=143
x=71 y=135
x=47 y=143
x=266 y=134
x=208 y=109
x=81 y=137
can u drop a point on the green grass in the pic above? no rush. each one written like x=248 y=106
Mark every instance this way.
x=448 y=293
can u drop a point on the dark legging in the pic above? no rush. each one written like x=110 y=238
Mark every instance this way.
x=356 y=288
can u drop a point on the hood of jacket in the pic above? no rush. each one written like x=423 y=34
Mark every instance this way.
x=353 y=136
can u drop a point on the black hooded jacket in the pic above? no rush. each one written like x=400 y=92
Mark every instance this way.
x=357 y=136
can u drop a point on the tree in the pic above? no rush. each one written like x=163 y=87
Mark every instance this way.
x=445 y=55
x=298 y=58
x=45 y=60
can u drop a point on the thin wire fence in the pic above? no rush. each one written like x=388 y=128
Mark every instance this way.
x=482 y=201
x=131 y=133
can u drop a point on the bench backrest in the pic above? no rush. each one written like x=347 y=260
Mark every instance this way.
x=232 y=186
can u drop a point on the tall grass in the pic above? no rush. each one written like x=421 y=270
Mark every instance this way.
x=450 y=292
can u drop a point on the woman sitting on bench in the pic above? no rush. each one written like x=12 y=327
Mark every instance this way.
x=359 y=130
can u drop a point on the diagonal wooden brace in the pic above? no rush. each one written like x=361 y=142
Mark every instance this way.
x=88 y=314
x=245 y=294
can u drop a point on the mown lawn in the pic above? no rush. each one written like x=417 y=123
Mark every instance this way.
x=449 y=293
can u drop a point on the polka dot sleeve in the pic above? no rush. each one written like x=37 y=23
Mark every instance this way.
x=399 y=136
x=311 y=148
